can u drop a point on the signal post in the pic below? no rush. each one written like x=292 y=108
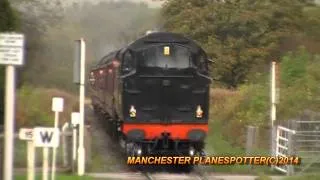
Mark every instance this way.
x=79 y=78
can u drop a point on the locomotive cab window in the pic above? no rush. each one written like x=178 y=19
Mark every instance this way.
x=166 y=56
x=128 y=62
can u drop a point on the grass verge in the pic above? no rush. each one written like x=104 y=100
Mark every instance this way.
x=60 y=177
x=315 y=176
x=217 y=145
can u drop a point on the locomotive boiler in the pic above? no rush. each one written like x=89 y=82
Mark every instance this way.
x=154 y=95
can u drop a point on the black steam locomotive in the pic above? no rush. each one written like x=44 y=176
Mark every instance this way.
x=154 y=94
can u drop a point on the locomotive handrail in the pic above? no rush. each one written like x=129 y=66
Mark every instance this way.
x=131 y=91
x=129 y=74
x=207 y=77
x=163 y=76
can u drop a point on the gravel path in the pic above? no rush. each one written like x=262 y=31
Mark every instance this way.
x=105 y=152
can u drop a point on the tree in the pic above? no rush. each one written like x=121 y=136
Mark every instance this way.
x=238 y=34
x=36 y=16
x=51 y=29
x=8 y=22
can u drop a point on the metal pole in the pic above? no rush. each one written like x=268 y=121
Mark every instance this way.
x=45 y=166
x=9 y=122
x=31 y=160
x=56 y=122
x=81 y=149
x=290 y=170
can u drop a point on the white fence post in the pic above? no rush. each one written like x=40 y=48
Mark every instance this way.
x=75 y=118
x=64 y=144
x=27 y=134
x=31 y=160
x=57 y=106
x=45 y=165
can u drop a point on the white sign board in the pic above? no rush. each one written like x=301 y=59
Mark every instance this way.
x=75 y=118
x=26 y=134
x=57 y=104
x=11 y=48
x=46 y=137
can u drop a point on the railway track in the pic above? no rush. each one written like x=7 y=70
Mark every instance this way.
x=132 y=172
x=200 y=173
x=148 y=176
x=168 y=176
x=153 y=176
x=119 y=171
x=196 y=174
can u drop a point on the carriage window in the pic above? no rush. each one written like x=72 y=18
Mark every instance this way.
x=128 y=62
x=92 y=79
x=166 y=57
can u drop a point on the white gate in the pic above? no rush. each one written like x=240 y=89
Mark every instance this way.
x=284 y=147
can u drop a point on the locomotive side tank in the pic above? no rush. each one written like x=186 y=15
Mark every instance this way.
x=154 y=94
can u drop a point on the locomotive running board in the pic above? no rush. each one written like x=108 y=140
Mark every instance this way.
x=169 y=76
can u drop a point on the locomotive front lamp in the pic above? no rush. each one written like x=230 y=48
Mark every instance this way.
x=166 y=51
x=139 y=152
x=191 y=151
x=132 y=112
x=199 y=112
x=101 y=72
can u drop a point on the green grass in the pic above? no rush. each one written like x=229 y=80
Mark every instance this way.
x=20 y=154
x=60 y=177
x=217 y=145
x=315 y=176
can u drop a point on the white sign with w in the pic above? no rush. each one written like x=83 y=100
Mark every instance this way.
x=46 y=137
